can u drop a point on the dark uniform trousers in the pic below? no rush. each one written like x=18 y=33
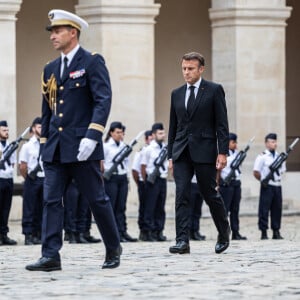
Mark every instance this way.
x=196 y=207
x=270 y=199
x=117 y=190
x=32 y=205
x=6 y=192
x=184 y=168
x=88 y=178
x=154 y=214
x=76 y=210
x=142 y=196
x=231 y=195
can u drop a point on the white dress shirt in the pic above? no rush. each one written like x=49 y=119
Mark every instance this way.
x=70 y=56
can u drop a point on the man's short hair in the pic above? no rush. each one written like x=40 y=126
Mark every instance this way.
x=194 y=56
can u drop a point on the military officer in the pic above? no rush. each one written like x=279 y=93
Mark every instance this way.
x=232 y=192
x=32 y=171
x=138 y=178
x=155 y=215
x=75 y=107
x=6 y=185
x=117 y=186
x=270 y=198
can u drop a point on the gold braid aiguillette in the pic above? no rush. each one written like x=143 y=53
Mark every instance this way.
x=49 y=91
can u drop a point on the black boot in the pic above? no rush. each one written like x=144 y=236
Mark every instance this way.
x=264 y=235
x=143 y=235
x=112 y=258
x=160 y=237
x=276 y=235
x=7 y=241
x=72 y=238
x=236 y=236
x=67 y=236
x=80 y=239
x=197 y=236
x=125 y=237
x=36 y=238
x=149 y=237
x=89 y=238
x=28 y=239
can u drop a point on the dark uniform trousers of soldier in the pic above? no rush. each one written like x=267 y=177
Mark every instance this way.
x=196 y=208
x=231 y=195
x=80 y=111
x=117 y=190
x=6 y=192
x=32 y=207
x=270 y=200
x=154 y=209
x=142 y=196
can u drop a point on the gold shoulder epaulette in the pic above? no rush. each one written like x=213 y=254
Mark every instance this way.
x=94 y=53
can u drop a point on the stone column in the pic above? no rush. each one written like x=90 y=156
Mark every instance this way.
x=8 y=102
x=248 y=55
x=123 y=32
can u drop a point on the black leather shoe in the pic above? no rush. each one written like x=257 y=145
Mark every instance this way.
x=160 y=237
x=7 y=241
x=196 y=236
x=222 y=243
x=236 y=236
x=181 y=247
x=89 y=238
x=72 y=238
x=112 y=259
x=67 y=236
x=80 y=239
x=143 y=235
x=28 y=239
x=36 y=240
x=264 y=235
x=276 y=235
x=45 y=264
x=125 y=237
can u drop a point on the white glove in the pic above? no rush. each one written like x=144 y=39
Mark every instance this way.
x=86 y=148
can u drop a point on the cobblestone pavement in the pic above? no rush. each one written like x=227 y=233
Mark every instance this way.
x=252 y=269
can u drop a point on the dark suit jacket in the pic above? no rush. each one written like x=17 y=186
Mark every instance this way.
x=205 y=131
x=83 y=103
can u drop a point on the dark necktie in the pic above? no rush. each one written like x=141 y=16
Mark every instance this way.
x=191 y=100
x=65 y=69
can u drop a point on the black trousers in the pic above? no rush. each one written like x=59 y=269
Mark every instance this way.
x=117 y=190
x=196 y=207
x=270 y=201
x=155 y=215
x=142 y=198
x=88 y=178
x=32 y=205
x=6 y=192
x=231 y=195
x=184 y=169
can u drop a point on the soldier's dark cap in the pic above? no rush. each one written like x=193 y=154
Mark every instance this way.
x=148 y=133
x=37 y=120
x=3 y=123
x=271 y=136
x=115 y=125
x=232 y=137
x=157 y=126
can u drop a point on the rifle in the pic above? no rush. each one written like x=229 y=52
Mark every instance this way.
x=158 y=162
x=277 y=163
x=11 y=148
x=120 y=156
x=237 y=162
x=33 y=174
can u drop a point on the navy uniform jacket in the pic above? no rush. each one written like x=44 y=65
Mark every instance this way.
x=205 y=131
x=81 y=109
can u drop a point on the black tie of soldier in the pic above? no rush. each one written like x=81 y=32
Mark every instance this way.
x=191 y=100
x=65 y=69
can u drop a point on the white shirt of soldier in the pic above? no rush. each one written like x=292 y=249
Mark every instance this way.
x=110 y=150
x=227 y=169
x=136 y=164
x=262 y=163
x=9 y=170
x=149 y=156
x=29 y=154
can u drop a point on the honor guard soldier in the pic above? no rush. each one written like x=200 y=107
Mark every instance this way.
x=117 y=186
x=75 y=108
x=270 y=198
x=31 y=168
x=196 y=211
x=231 y=192
x=6 y=186
x=138 y=178
x=156 y=192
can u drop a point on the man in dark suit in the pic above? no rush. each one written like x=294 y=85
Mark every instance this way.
x=198 y=143
x=75 y=108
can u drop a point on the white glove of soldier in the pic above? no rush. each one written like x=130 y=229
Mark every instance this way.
x=86 y=148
